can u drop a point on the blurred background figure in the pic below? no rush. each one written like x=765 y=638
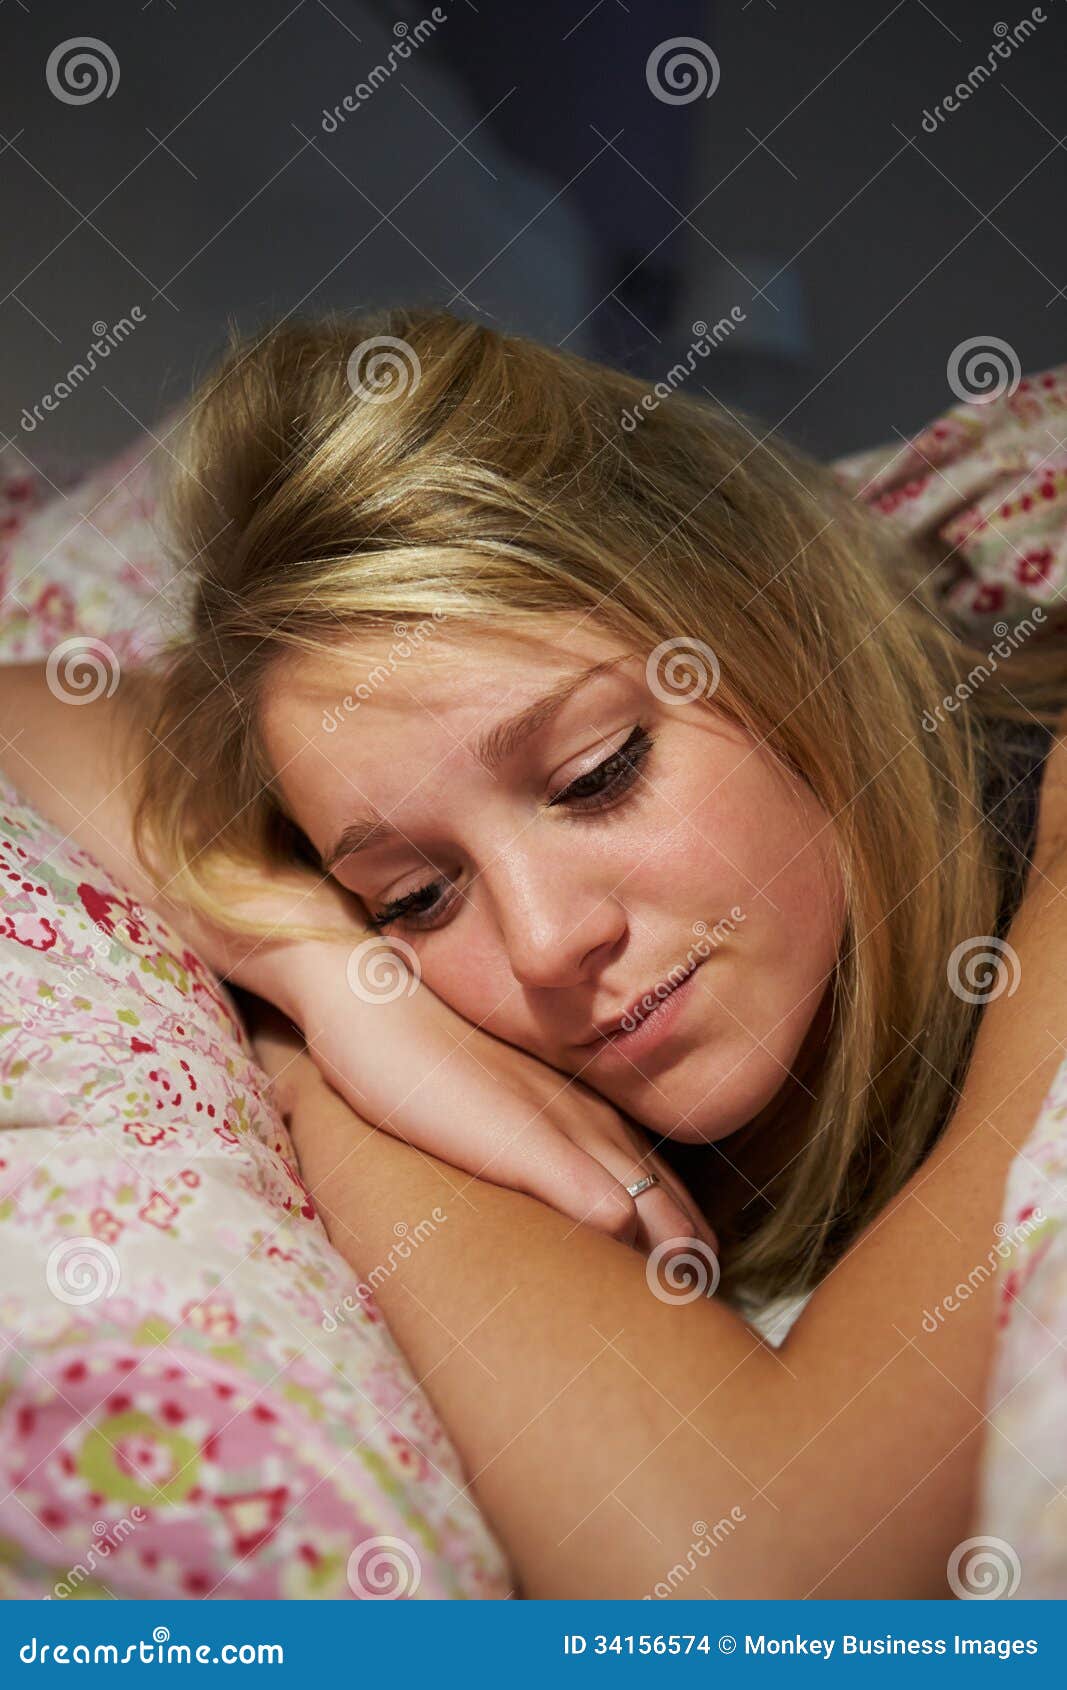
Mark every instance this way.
x=614 y=178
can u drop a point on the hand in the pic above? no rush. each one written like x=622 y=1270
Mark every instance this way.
x=416 y=1068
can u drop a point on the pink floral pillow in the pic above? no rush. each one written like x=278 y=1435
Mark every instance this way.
x=988 y=481
x=181 y=1412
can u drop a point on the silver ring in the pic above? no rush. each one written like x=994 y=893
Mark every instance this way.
x=640 y=1185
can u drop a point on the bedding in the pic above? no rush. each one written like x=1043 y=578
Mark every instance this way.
x=177 y=1417
x=1022 y=1513
x=987 y=483
x=181 y=1414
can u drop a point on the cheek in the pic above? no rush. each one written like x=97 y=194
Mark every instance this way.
x=470 y=972
x=761 y=844
x=765 y=834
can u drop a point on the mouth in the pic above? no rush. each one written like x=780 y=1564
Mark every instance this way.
x=628 y=1021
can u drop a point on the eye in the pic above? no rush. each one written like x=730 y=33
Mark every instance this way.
x=410 y=910
x=611 y=778
x=598 y=789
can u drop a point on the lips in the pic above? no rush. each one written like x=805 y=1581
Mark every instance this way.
x=638 y=1010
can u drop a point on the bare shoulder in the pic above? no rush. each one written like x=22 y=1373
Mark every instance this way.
x=1050 y=846
x=1018 y=1049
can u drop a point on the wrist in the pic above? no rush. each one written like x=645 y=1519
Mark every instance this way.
x=294 y=975
x=297 y=971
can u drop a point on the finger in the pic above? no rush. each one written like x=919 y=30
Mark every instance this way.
x=574 y=1182
x=661 y=1214
x=699 y=1226
x=543 y=1162
x=658 y=1233
x=681 y=1213
x=632 y=1141
x=456 y=1110
x=662 y=1221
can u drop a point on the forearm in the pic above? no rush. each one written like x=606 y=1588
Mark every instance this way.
x=599 y=1424
x=78 y=765
x=511 y=1319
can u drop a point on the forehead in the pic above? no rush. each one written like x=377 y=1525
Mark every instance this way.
x=459 y=679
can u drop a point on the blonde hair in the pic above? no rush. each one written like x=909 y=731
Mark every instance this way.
x=492 y=480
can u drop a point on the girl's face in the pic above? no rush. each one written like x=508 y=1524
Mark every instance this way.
x=564 y=853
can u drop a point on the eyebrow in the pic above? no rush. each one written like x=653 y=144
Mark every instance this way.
x=492 y=749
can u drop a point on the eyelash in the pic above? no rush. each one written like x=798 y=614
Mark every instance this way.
x=617 y=775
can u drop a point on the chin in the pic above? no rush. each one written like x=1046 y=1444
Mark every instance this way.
x=709 y=1107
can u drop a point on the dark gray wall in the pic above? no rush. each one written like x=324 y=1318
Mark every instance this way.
x=581 y=209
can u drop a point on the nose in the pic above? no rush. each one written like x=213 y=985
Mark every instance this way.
x=556 y=920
